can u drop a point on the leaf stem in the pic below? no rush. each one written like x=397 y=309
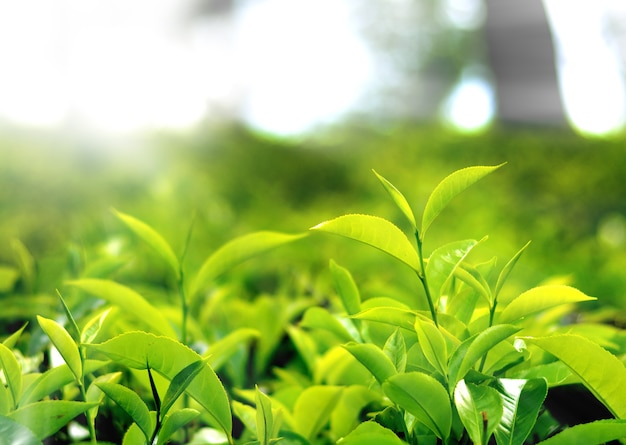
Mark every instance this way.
x=423 y=279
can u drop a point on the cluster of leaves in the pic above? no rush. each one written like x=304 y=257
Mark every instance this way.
x=197 y=363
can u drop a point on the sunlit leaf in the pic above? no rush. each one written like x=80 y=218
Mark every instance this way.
x=129 y=301
x=480 y=409
x=346 y=288
x=448 y=188
x=153 y=239
x=180 y=382
x=14 y=433
x=376 y=232
x=443 y=262
x=220 y=351
x=168 y=357
x=347 y=413
x=175 y=421
x=433 y=344
x=599 y=370
x=93 y=326
x=8 y=278
x=237 y=251
x=321 y=318
x=395 y=349
x=131 y=403
x=12 y=373
x=371 y=433
x=594 y=433
x=313 y=409
x=25 y=263
x=12 y=339
x=46 y=417
x=94 y=393
x=399 y=199
x=264 y=417
x=424 y=397
x=373 y=358
x=507 y=269
x=522 y=400
x=541 y=298
x=64 y=343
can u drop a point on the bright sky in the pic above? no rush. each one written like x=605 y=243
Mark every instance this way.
x=118 y=65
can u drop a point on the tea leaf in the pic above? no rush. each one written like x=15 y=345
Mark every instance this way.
x=237 y=251
x=448 y=188
x=594 y=433
x=131 y=403
x=48 y=416
x=399 y=199
x=220 y=351
x=480 y=410
x=320 y=318
x=313 y=409
x=376 y=232
x=25 y=263
x=175 y=422
x=180 y=382
x=507 y=269
x=264 y=417
x=346 y=288
x=13 y=432
x=424 y=397
x=471 y=350
x=522 y=400
x=371 y=433
x=599 y=370
x=433 y=344
x=93 y=326
x=347 y=413
x=373 y=358
x=153 y=239
x=541 y=298
x=12 y=339
x=8 y=278
x=443 y=262
x=64 y=343
x=168 y=357
x=129 y=300
x=12 y=373
x=395 y=349
x=95 y=394
x=395 y=316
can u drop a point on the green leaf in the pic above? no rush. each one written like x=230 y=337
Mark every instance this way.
x=12 y=339
x=474 y=348
x=93 y=326
x=395 y=349
x=25 y=263
x=371 y=433
x=376 y=232
x=175 y=422
x=443 y=262
x=12 y=373
x=480 y=410
x=473 y=279
x=168 y=357
x=541 y=298
x=72 y=326
x=395 y=316
x=522 y=400
x=313 y=409
x=180 y=382
x=399 y=199
x=131 y=403
x=129 y=301
x=237 y=251
x=220 y=351
x=373 y=358
x=321 y=318
x=346 y=288
x=47 y=417
x=599 y=370
x=12 y=433
x=424 y=397
x=348 y=413
x=448 y=188
x=433 y=344
x=64 y=343
x=264 y=417
x=8 y=278
x=507 y=269
x=94 y=393
x=594 y=433
x=153 y=239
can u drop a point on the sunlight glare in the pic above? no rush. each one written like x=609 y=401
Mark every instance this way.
x=470 y=107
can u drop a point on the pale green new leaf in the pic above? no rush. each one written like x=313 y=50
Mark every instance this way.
x=153 y=239
x=12 y=373
x=448 y=188
x=313 y=409
x=180 y=382
x=168 y=357
x=129 y=301
x=264 y=417
x=443 y=262
x=433 y=344
x=507 y=269
x=131 y=403
x=395 y=349
x=64 y=343
x=14 y=433
x=346 y=288
x=46 y=417
x=94 y=393
x=371 y=433
x=321 y=318
x=399 y=199
x=12 y=339
x=93 y=326
x=541 y=298
x=373 y=358
x=474 y=348
x=599 y=370
x=424 y=397
x=480 y=409
x=220 y=351
x=376 y=232
x=348 y=412
x=522 y=399
x=594 y=433
x=175 y=422
x=237 y=251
